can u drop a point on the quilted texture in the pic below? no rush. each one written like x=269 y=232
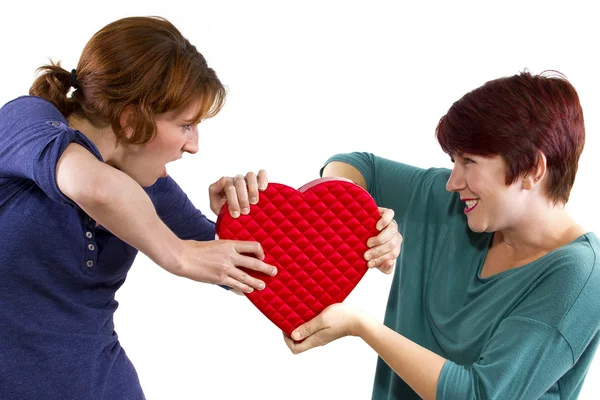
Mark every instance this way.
x=316 y=237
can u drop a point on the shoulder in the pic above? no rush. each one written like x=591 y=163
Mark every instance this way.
x=584 y=262
x=577 y=259
x=561 y=290
x=30 y=108
x=566 y=274
x=569 y=279
x=576 y=284
x=31 y=104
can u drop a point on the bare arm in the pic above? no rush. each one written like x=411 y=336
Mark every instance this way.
x=341 y=169
x=117 y=202
x=419 y=367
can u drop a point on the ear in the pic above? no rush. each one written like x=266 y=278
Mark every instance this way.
x=125 y=120
x=536 y=175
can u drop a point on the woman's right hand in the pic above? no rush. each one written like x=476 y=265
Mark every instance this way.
x=219 y=262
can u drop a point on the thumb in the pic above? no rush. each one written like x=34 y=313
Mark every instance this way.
x=218 y=186
x=307 y=329
x=216 y=204
x=215 y=194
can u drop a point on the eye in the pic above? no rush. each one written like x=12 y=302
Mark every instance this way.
x=468 y=161
x=186 y=127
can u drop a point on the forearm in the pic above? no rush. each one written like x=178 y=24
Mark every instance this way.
x=117 y=202
x=419 y=367
x=130 y=215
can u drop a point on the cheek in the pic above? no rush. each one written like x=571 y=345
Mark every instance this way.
x=162 y=144
x=474 y=181
x=153 y=147
x=483 y=185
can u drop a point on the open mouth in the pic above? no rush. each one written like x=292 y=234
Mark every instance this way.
x=471 y=204
x=164 y=173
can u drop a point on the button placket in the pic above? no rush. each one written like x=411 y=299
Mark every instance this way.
x=91 y=253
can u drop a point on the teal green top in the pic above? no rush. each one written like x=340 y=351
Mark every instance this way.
x=525 y=333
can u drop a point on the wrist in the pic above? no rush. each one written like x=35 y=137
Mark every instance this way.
x=363 y=323
x=174 y=251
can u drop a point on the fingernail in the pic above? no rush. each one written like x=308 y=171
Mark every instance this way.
x=245 y=210
x=371 y=264
x=253 y=200
x=235 y=214
x=296 y=335
x=274 y=272
x=250 y=290
x=367 y=256
x=262 y=187
x=261 y=286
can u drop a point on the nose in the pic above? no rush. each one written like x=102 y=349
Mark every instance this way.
x=191 y=145
x=456 y=182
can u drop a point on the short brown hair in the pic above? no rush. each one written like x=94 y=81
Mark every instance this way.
x=139 y=62
x=517 y=117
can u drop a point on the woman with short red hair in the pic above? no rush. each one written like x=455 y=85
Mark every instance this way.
x=496 y=290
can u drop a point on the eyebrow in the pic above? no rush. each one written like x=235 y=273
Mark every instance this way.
x=463 y=154
x=187 y=120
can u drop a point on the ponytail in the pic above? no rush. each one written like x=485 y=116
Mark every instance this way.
x=53 y=84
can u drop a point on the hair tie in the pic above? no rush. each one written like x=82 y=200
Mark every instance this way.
x=74 y=78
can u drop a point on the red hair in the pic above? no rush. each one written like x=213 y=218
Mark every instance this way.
x=517 y=117
x=140 y=63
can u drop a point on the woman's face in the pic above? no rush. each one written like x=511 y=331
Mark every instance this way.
x=175 y=135
x=490 y=205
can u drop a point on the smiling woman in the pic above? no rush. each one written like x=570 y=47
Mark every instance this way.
x=527 y=120
x=508 y=308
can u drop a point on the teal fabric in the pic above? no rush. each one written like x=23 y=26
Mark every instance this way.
x=526 y=333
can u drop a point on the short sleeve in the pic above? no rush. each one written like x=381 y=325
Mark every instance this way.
x=33 y=136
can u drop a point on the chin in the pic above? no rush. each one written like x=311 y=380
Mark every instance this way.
x=477 y=228
x=147 y=182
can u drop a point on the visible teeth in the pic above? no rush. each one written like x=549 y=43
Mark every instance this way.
x=471 y=203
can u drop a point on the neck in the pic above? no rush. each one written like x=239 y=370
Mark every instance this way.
x=539 y=232
x=103 y=138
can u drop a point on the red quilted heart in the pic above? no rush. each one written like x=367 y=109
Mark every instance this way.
x=316 y=237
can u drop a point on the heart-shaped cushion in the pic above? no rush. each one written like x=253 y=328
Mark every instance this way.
x=316 y=237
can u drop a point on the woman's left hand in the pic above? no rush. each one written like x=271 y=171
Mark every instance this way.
x=336 y=321
x=239 y=192
x=385 y=247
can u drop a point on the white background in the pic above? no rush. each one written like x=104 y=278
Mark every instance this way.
x=307 y=80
